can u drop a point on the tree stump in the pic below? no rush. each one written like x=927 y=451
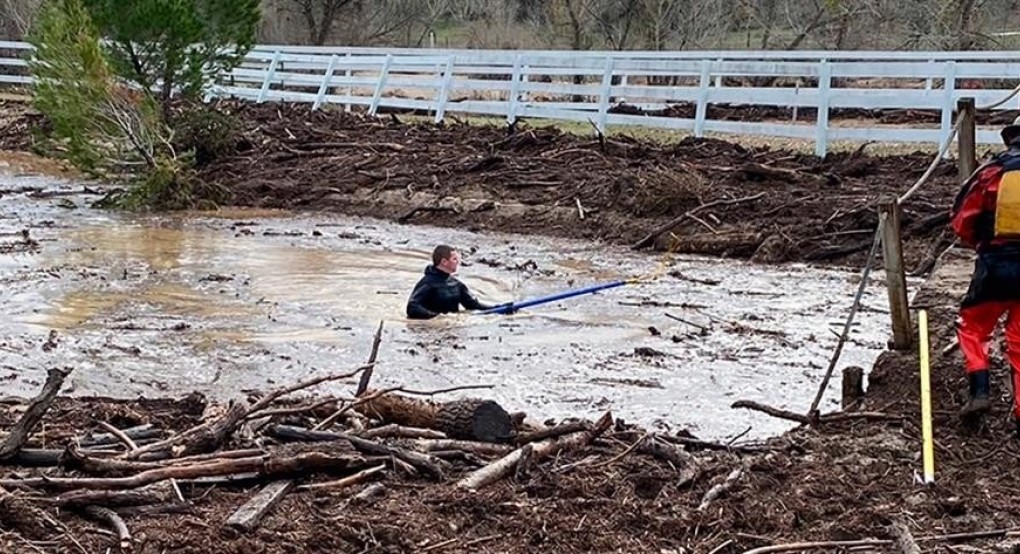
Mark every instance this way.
x=475 y=419
x=853 y=386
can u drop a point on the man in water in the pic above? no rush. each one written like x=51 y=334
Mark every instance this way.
x=439 y=292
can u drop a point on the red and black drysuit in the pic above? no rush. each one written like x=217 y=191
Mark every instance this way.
x=995 y=284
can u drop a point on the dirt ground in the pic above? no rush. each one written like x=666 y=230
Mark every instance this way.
x=770 y=205
x=767 y=204
x=846 y=479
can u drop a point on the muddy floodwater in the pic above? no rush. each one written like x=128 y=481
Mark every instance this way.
x=234 y=301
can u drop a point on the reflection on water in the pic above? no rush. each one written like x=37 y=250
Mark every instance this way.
x=242 y=299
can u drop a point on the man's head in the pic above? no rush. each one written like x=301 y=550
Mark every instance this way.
x=446 y=258
x=1011 y=133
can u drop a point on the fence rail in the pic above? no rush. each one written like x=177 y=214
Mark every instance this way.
x=592 y=86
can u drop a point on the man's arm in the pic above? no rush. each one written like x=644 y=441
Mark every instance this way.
x=416 y=303
x=971 y=204
x=469 y=301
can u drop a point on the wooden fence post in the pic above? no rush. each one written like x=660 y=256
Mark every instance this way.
x=967 y=138
x=895 y=275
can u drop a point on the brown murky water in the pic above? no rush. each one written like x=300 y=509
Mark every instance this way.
x=238 y=300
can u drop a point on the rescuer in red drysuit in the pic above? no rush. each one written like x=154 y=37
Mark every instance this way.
x=995 y=284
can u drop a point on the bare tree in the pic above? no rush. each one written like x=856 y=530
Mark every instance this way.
x=16 y=17
x=320 y=16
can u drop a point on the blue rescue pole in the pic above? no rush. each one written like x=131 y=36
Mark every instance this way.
x=511 y=307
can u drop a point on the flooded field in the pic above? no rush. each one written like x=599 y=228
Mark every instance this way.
x=242 y=300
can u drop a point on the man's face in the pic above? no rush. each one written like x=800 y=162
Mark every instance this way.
x=450 y=263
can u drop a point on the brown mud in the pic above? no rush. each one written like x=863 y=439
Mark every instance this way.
x=771 y=205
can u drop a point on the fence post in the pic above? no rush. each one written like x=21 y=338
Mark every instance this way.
x=270 y=73
x=895 y=275
x=350 y=88
x=324 y=86
x=946 y=125
x=383 y=75
x=718 y=77
x=515 y=90
x=607 y=85
x=444 y=90
x=966 y=157
x=701 y=110
x=822 y=119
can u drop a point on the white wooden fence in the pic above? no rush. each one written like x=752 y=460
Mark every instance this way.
x=585 y=86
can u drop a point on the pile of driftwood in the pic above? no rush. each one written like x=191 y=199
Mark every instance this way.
x=328 y=443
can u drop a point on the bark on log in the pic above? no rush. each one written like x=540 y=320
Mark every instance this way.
x=470 y=419
x=275 y=464
x=38 y=407
x=853 y=386
x=425 y=463
x=248 y=516
x=394 y=430
x=24 y=516
x=115 y=521
x=685 y=464
x=112 y=467
x=903 y=539
x=155 y=494
x=486 y=449
x=475 y=419
x=198 y=440
x=401 y=410
x=507 y=464
x=136 y=434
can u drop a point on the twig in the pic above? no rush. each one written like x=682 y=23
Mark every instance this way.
x=621 y=455
x=722 y=547
x=682 y=320
x=650 y=238
x=115 y=521
x=721 y=488
x=811 y=545
x=348 y=481
x=801 y=418
x=35 y=412
x=580 y=208
x=120 y=435
x=813 y=411
x=367 y=375
x=439 y=545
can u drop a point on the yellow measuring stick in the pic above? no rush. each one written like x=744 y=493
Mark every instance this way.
x=928 y=449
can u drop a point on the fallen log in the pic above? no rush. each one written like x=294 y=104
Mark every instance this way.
x=153 y=494
x=248 y=516
x=33 y=414
x=422 y=462
x=470 y=419
x=274 y=464
x=508 y=464
x=398 y=431
x=209 y=436
x=474 y=447
x=141 y=432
